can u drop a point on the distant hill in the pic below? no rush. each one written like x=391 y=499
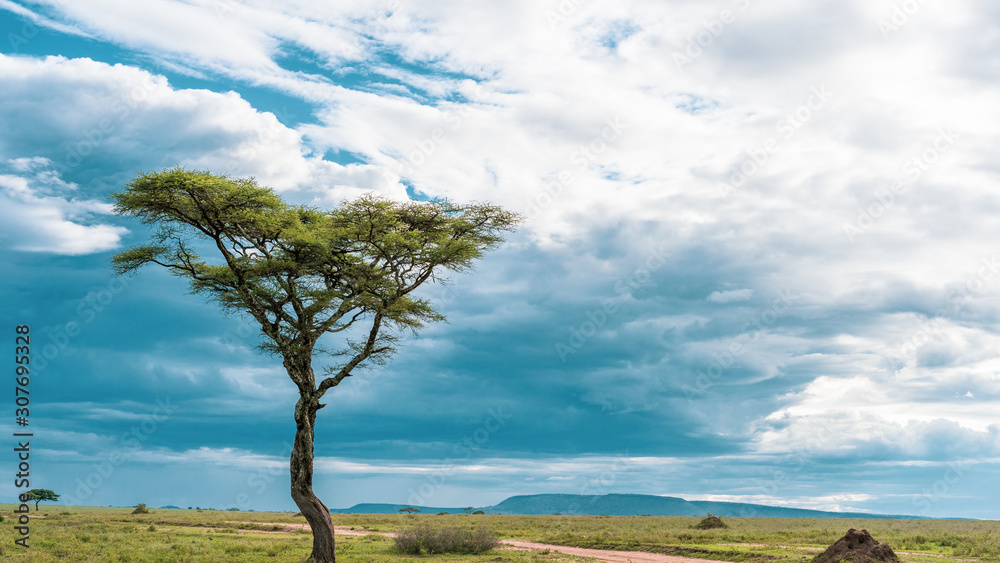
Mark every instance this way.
x=621 y=505
x=378 y=508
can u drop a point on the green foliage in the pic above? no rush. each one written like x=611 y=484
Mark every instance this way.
x=408 y=510
x=302 y=272
x=448 y=539
x=38 y=495
x=479 y=512
x=140 y=509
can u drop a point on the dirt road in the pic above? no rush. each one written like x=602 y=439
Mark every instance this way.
x=607 y=556
x=604 y=554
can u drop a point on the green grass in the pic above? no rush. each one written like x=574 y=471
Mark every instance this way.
x=784 y=539
x=172 y=535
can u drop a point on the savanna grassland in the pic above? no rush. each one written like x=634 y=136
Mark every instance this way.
x=169 y=535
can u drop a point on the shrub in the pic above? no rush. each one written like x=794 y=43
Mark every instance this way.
x=140 y=509
x=479 y=512
x=408 y=541
x=412 y=541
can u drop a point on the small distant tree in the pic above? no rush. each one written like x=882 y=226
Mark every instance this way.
x=38 y=495
x=479 y=512
x=140 y=509
x=409 y=510
x=468 y=509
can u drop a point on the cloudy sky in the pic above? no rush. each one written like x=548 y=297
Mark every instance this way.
x=759 y=261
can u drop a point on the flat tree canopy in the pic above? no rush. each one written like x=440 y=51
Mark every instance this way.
x=303 y=273
x=38 y=495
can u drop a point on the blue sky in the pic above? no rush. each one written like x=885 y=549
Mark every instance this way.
x=759 y=263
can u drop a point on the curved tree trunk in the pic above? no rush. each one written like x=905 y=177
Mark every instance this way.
x=316 y=513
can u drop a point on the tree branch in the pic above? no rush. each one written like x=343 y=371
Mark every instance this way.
x=368 y=350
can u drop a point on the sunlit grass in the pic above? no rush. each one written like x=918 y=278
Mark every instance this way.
x=168 y=535
x=782 y=538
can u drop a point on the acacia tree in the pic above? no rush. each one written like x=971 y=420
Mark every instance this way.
x=38 y=495
x=304 y=274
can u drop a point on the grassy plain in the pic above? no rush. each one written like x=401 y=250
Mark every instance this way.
x=168 y=535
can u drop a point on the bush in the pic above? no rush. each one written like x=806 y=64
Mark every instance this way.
x=479 y=512
x=140 y=509
x=408 y=541
x=412 y=541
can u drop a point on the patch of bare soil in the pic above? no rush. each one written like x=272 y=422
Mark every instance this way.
x=292 y=526
x=605 y=555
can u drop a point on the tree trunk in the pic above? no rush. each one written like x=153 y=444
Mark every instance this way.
x=316 y=513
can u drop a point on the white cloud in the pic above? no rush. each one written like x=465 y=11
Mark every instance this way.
x=833 y=503
x=256 y=382
x=38 y=214
x=730 y=295
x=875 y=204
x=190 y=29
x=28 y=32
x=81 y=114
